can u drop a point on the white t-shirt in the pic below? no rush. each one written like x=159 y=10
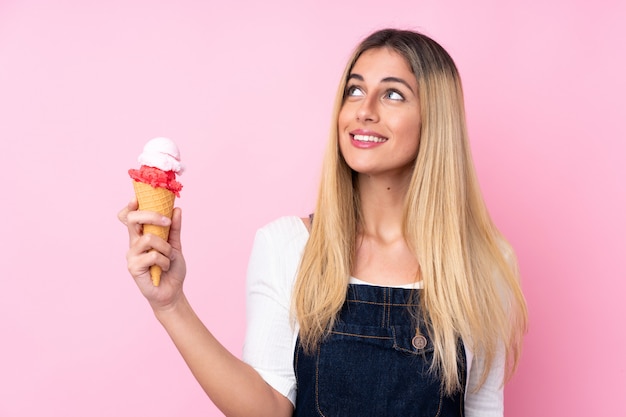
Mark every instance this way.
x=271 y=338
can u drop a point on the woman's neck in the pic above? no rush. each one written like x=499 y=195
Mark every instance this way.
x=382 y=206
x=382 y=256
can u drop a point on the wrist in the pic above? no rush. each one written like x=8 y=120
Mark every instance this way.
x=177 y=307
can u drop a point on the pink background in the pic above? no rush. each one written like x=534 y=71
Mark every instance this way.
x=245 y=88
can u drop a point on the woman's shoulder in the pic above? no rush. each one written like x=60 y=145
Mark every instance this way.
x=286 y=230
x=276 y=253
x=287 y=225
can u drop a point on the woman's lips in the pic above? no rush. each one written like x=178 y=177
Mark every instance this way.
x=364 y=139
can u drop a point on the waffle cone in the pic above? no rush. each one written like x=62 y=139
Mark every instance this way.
x=161 y=201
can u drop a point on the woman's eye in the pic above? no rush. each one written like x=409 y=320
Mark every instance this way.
x=354 y=91
x=394 y=95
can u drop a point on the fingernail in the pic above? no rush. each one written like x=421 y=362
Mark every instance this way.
x=165 y=221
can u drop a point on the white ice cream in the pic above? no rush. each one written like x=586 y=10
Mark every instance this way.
x=161 y=153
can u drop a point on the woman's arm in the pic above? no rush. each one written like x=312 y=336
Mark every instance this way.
x=488 y=401
x=271 y=333
x=235 y=387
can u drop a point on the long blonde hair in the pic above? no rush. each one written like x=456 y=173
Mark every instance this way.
x=471 y=288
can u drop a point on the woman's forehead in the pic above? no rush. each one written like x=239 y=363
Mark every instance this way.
x=377 y=64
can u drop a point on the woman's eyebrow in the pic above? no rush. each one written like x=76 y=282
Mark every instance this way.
x=355 y=76
x=384 y=80
x=397 y=80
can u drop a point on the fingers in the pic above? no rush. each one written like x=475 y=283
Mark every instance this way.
x=131 y=206
x=136 y=219
x=139 y=265
x=148 y=250
x=150 y=242
x=174 y=236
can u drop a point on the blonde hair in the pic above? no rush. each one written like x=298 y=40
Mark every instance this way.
x=471 y=288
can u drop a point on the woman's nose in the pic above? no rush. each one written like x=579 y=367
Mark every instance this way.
x=367 y=111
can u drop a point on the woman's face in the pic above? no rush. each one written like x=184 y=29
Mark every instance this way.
x=379 y=122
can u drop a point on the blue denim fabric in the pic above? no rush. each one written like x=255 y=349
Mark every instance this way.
x=368 y=365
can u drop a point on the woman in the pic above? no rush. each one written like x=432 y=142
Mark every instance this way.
x=398 y=297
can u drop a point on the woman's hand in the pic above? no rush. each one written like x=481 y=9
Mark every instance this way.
x=168 y=255
x=223 y=376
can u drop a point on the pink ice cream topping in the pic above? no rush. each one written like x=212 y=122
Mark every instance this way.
x=157 y=178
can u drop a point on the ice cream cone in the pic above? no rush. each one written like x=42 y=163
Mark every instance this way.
x=161 y=201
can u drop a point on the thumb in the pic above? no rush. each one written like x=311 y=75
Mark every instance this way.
x=174 y=236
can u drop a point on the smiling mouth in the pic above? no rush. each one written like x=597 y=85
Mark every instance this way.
x=369 y=138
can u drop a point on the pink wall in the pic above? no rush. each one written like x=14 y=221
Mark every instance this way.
x=246 y=91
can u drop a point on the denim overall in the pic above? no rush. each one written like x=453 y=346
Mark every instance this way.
x=374 y=363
